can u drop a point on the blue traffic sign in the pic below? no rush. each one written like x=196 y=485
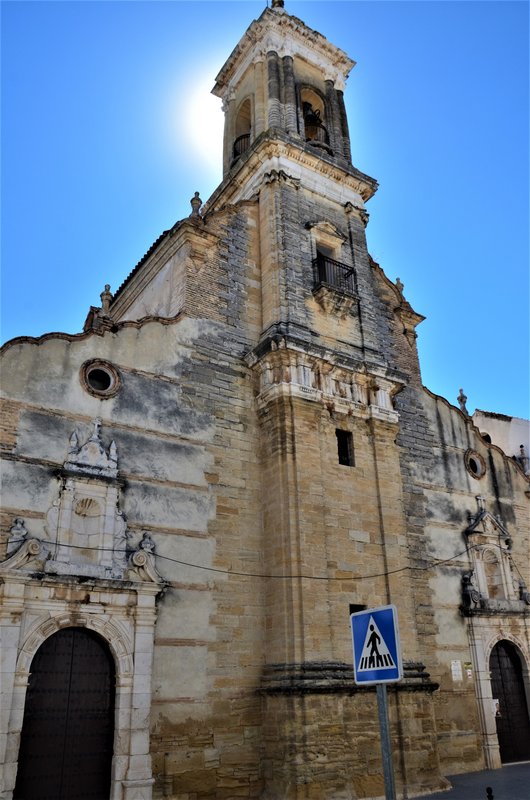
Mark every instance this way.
x=376 y=648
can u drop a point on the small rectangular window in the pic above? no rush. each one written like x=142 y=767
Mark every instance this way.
x=355 y=607
x=345 y=447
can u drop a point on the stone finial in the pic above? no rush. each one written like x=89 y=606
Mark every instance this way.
x=96 y=433
x=523 y=459
x=196 y=203
x=113 y=452
x=106 y=299
x=277 y=3
x=481 y=502
x=17 y=536
x=462 y=400
x=147 y=543
x=91 y=457
x=400 y=286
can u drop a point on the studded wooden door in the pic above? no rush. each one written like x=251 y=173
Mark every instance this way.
x=513 y=725
x=68 y=728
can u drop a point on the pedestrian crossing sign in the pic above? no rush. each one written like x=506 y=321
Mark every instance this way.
x=376 y=648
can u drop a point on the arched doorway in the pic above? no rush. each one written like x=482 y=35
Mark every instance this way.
x=513 y=725
x=68 y=729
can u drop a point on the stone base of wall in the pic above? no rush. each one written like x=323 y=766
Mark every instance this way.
x=321 y=734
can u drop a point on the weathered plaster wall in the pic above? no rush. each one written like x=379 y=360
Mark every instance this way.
x=442 y=498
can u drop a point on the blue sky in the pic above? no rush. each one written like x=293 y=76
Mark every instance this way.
x=108 y=128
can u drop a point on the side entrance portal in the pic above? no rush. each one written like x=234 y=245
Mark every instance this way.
x=68 y=729
x=513 y=725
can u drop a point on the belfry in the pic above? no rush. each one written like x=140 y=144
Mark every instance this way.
x=233 y=456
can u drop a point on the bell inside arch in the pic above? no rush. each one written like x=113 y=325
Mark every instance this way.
x=314 y=127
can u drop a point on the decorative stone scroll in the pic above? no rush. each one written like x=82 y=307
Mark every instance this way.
x=142 y=562
x=29 y=557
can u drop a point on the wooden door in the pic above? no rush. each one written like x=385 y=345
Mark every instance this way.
x=513 y=725
x=68 y=729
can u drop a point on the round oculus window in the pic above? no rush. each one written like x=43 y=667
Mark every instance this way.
x=475 y=464
x=100 y=378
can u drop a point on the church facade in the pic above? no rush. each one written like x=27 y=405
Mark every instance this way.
x=235 y=455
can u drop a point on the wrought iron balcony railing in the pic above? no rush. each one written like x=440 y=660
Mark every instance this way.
x=333 y=274
x=241 y=145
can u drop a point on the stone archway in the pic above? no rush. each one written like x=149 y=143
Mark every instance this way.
x=66 y=744
x=508 y=691
x=131 y=612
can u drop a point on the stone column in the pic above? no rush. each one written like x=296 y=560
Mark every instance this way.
x=333 y=121
x=138 y=782
x=274 y=104
x=260 y=109
x=12 y=687
x=346 y=147
x=289 y=96
x=229 y=107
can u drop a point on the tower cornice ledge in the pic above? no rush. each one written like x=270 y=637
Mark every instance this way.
x=285 y=35
x=288 y=371
x=274 y=152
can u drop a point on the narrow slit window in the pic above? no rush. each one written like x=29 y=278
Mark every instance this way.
x=345 y=447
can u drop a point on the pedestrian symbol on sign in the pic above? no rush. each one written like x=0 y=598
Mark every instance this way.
x=375 y=653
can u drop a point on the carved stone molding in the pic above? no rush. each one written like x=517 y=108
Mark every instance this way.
x=280 y=176
x=339 y=303
x=287 y=372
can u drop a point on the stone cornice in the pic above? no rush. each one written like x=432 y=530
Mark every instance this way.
x=335 y=677
x=273 y=151
x=296 y=338
x=286 y=35
x=286 y=371
x=79 y=337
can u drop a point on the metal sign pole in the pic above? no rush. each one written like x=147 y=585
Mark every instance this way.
x=386 y=746
x=377 y=661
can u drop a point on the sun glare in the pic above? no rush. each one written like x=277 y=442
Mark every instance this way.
x=203 y=126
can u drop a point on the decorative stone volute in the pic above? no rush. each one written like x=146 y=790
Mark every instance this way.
x=142 y=562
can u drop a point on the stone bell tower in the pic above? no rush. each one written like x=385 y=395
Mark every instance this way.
x=336 y=344
x=278 y=78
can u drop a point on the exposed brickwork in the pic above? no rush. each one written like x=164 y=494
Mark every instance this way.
x=9 y=416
